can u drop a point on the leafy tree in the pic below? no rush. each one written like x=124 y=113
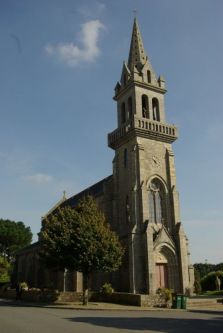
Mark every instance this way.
x=13 y=237
x=5 y=270
x=204 y=269
x=219 y=267
x=79 y=239
x=208 y=282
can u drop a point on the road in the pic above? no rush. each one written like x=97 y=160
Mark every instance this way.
x=23 y=319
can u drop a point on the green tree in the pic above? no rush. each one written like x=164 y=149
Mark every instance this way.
x=208 y=282
x=13 y=237
x=80 y=239
x=204 y=269
x=5 y=270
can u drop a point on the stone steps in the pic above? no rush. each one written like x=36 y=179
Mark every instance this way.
x=204 y=301
x=70 y=297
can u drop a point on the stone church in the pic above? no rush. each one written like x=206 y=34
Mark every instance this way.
x=140 y=199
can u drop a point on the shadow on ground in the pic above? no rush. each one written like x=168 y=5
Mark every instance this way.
x=167 y=325
x=212 y=312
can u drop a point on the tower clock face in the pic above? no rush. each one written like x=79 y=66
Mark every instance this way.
x=155 y=162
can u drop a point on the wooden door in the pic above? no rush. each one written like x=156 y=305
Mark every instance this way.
x=161 y=276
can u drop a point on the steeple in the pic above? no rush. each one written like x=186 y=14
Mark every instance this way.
x=138 y=69
x=140 y=99
x=137 y=54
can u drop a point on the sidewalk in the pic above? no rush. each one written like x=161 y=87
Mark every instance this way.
x=99 y=306
x=115 y=307
x=91 y=306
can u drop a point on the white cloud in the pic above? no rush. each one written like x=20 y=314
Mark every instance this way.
x=39 y=178
x=73 y=55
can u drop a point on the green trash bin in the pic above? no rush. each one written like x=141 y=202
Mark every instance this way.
x=183 y=302
x=176 y=301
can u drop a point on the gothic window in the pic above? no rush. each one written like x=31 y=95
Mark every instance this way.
x=125 y=158
x=130 y=107
x=157 y=204
x=123 y=116
x=145 y=107
x=148 y=76
x=156 y=111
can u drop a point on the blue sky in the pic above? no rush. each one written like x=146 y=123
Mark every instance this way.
x=60 y=61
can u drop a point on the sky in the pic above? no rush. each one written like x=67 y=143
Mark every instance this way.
x=59 y=63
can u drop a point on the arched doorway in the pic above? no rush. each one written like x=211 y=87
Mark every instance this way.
x=167 y=272
x=162 y=280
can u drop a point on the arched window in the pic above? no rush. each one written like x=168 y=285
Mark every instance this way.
x=125 y=157
x=145 y=106
x=157 y=202
x=123 y=115
x=148 y=76
x=130 y=107
x=156 y=111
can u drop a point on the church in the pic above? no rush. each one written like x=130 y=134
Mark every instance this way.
x=140 y=199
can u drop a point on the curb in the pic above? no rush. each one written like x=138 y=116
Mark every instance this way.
x=105 y=307
x=95 y=307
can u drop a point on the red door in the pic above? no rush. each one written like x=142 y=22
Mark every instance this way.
x=161 y=276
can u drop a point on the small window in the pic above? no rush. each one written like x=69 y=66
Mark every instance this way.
x=130 y=107
x=148 y=76
x=123 y=115
x=156 y=112
x=125 y=158
x=127 y=210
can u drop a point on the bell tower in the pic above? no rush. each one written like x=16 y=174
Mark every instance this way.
x=145 y=200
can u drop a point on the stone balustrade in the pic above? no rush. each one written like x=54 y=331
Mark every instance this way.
x=145 y=128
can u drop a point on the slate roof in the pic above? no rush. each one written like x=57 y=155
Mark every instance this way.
x=94 y=190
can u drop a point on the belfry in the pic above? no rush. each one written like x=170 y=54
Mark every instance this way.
x=146 y=197
x=140 y=198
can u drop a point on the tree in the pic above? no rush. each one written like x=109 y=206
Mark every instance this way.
x=204 y=269
x=5 y=270
x=79 y=239
x=13 y=237
x=208 y=282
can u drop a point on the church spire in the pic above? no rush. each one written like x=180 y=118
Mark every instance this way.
x=137 y=54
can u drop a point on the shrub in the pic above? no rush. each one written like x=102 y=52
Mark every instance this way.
x=208 y=282
x=23 y=285
x=107 y=289
x=166 y=295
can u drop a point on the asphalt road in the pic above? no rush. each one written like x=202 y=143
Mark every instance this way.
x=24 y=319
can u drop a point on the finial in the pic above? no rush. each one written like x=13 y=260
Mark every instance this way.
x=135 y=13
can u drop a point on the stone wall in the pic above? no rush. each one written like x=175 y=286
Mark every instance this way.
x=129 y=299
x=118 y=298
x=43 y=296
